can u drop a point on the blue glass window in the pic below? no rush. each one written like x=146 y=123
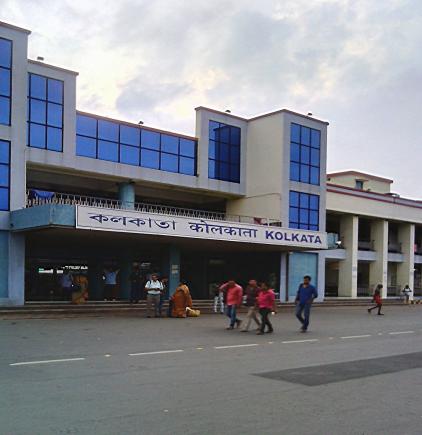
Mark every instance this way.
x=5 y=80
x=86 y=146
x=304 y=154
x=303 y=211
x=187 y=148
x=224 y=152
x=108 y=131
x=108 y=151
x=129 y=155
x=86 y=126
x=4 y=175
x=150 y=140
x=150 y=159
x=130 y=135
x=169 y=144
x=45 y=113
x=169 y=162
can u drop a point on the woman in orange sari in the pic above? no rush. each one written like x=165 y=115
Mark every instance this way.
x=181 y=300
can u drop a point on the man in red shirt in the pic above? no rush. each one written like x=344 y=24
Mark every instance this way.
x=234 y=294
x=266 y=305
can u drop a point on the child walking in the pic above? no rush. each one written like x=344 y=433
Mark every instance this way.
x=378 y=300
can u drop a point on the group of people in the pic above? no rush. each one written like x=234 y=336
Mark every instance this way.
x=74 y=286
x=377 y=298
x=261 y=299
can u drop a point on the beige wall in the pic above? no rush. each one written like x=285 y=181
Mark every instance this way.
x=349 y=180
x=348 y=268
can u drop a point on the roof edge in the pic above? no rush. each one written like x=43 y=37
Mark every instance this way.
x=13 y=27
x=58 y=68
x=365 y=174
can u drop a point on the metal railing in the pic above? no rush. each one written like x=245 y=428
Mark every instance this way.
x=90 y=201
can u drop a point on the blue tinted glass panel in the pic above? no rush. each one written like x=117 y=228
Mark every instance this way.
x=38 y=87
x=315 y=138
x=169 y=162
x=38 y=111
x=86 y=125
x=54 y=114
x=235 y=136
x=86 y=147
x=224 y=154
x=294 y=198
x=214 y=130
x=37 y=136
x=313 y=217
x=305 y=155
x=211 y=169
x=5 y=53
x=4 y=152
x=212 y=149
x=314 y=157
x=150 y=139
x=54 y=139
x=303 y=216
x=234 y=154
x=314 y=176
x=108 y=151
x=187 y=147
x=130 y=135
x=293 y=225
x=294 y=171
x=304 y=200
x=295 y=152
x=304 y=173
x=305 y=137
x=187 y=166
x=294 y=214
x=150 y=159
x=314 y=202
x=4 y=176
x=295 y=133
x=304 y=226
x=224 y=133
x=129 y=155
x=4 y=110
x=108 y=130
x=5 y=82
x=234 y=173
x=314 y=227
x=224 y=170
x=4 y=199
x=55 y=91
x=169 y=144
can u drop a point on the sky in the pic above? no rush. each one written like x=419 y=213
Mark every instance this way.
x=355 y=63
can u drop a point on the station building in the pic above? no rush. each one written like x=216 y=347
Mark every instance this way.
x=242 y=198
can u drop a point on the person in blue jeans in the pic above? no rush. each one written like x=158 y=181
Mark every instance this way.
x=304 y=298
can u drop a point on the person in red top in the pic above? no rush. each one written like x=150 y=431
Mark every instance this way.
x=378 y=300
x=266 y=304
x=234 y=294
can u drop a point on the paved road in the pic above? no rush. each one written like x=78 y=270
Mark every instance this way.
x=114 y=375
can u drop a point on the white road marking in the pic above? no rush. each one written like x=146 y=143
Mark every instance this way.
x=330 y=338
x=199 y=348
x=356 y=336
x=301 y=341
x=401 y=332
x=236 y=345
x=158 y=352
x=379 y=333
x=27 y=363
x=107 y=355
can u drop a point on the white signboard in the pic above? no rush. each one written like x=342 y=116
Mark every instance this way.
x=129 y=221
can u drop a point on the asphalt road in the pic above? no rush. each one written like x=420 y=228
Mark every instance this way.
x=353 y=373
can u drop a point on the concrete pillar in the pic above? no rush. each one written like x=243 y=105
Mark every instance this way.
x=405 y=270
x=127 y=195
x=321 y=277
x=124 y=277
x=174 y=268
x=95 y=281
x=378 y=273
x=348 y=268
x=283 y=276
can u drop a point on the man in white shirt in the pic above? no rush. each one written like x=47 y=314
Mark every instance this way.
x=153 y=287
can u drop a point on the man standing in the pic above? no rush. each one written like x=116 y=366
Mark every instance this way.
x=252 y=291
x=110 y=283
x=153 y=288
x=304 y=298
x=234 y=294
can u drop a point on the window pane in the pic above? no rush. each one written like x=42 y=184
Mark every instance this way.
x=108 y=151
x=235 y=173
x=211 y=169
x=150 y=159
x=150 y=139
x=4 y=176
x=304 y=226
x=5 y=53
x=305 y=138
x=305 y=154
x=304 y=200
x=293 y=225
x=4 y=152
x=55 y=115
x=4 y=199
x=5 y=82
x=314 y=157
x=314 y=227
x=187 y=166
x=38 y=87
x=224 y=133
x=293 y=214
x=129 y=155
x=212 y=149
x=169 y=162
x=295 y=133
x=224 y=171
x=294 y=199
x=54 y=139
x=169 y=144
x=294 y=171
x=303 y=216
x=187 y=147
x=314 y=202
x=38 y=111
x=224 y=154
x=314 y=176
x=235 y=136
x=108 y=130
x=304 y=173
x=295 y=152
x=55 y=91
x=313 y=217
x=214 y=130
x=130 y=135
x=315 y=138
x=37 y=136
x=4 y=110
x=235 y=154
x=86 y=147
x=86 y=125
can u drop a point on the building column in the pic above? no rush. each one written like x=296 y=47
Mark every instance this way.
x=378 y=272
x=405 y=270
x=348 y=268
x=95 y=281
x=174 y=269
x=127 y=195
x=124 y=278
x=321 y=277
x=283 y=276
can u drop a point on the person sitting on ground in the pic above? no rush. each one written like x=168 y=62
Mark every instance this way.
x=80 y=293
x=408 y=294
x=181 y=300
x=234 y=294
x=377 y=299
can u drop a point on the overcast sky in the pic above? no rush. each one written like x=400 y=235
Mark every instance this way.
x=354 y=63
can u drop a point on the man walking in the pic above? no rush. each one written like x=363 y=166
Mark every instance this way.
x=304 y=298
x=252 y=291
x=153 y=287
x=234 y=294
x=377 y=299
